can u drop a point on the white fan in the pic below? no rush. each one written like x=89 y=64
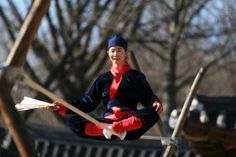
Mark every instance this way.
x=29 y=103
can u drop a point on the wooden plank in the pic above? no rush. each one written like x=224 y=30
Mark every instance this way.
x=17 y=57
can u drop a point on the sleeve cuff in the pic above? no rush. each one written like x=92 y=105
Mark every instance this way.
x=62 y=110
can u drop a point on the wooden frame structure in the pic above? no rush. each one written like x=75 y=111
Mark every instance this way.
x=17 y=58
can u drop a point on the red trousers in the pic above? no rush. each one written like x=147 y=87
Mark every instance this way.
x=135 y=125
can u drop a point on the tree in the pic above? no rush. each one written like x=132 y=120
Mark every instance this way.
x=181 y=35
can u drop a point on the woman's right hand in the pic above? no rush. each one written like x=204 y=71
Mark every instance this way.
x=55 y=106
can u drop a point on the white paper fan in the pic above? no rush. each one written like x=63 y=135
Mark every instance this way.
x=29 y=103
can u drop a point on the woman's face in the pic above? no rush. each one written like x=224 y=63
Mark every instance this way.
x=117 y=55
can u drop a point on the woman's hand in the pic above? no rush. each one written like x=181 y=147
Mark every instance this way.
x=158 y=107
x=55 y=106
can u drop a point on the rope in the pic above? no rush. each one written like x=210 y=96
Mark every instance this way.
x=164 y=140
x=156 y=138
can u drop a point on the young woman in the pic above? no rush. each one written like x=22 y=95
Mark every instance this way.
x=120 y=90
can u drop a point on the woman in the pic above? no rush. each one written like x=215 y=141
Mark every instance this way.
x=120 y=90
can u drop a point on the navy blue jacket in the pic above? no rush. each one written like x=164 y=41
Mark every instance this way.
x=133 y=89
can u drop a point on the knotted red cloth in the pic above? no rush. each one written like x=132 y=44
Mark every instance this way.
x=117 y=79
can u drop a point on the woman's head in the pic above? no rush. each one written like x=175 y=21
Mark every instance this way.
x=117 y=50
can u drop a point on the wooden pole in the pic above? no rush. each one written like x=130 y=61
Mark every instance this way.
x=183 y=115
x=52 y=96
x=17 y=57
x=27 y=33
x=160 y=124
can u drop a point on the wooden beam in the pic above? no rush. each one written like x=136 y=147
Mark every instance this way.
x=14 y=123
x=17 y=57
x=134 y=60
x=170 y=149
x=27 y=33
x=160 y=124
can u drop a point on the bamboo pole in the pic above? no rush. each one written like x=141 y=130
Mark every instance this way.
x=183 y=115
x=160 y=124
x=52 y=96
x=17 y=58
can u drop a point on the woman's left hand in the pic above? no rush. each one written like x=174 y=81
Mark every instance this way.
x=158 y=107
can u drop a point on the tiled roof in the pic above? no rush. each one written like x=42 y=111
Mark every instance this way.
x=210 y=128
